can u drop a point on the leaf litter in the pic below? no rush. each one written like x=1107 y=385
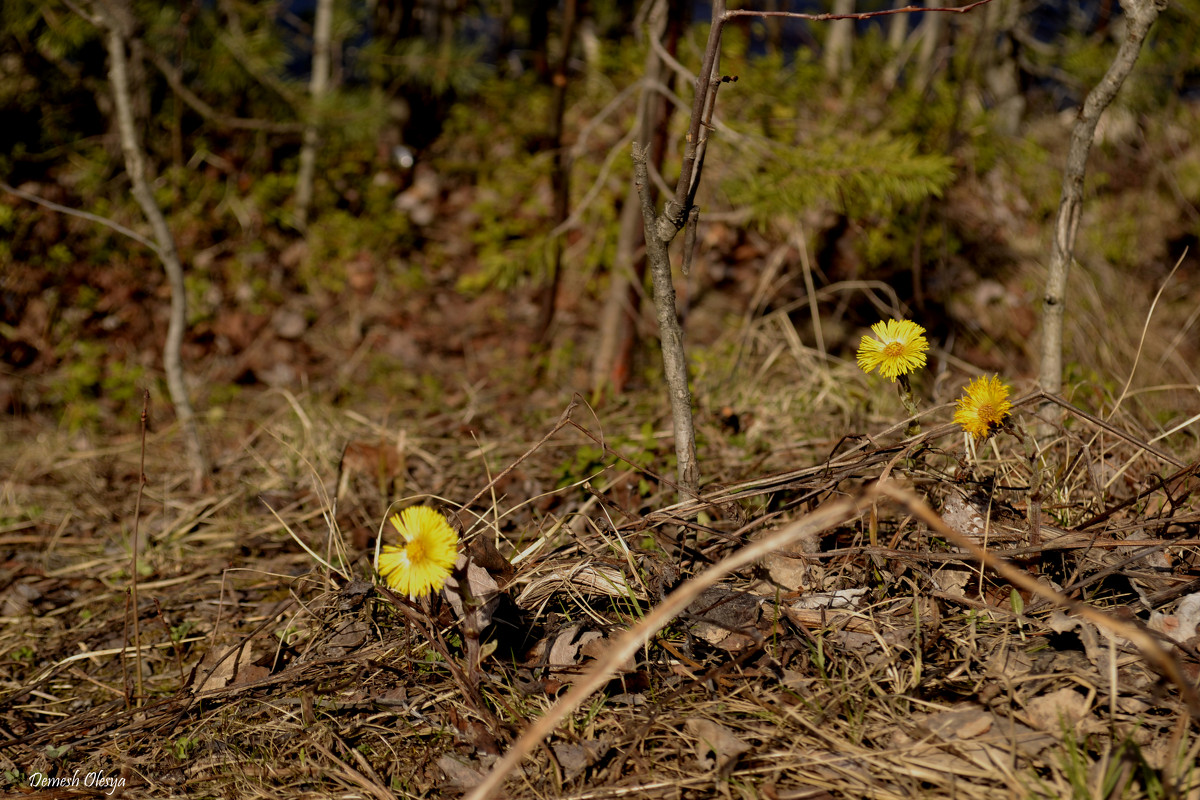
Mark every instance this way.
x=831 y=667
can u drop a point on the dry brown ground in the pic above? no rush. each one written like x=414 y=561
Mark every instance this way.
x=870 y=658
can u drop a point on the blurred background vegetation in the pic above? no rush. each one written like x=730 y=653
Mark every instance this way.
x=912 y=162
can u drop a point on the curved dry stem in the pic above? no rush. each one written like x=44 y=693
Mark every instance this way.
x=633 y=639
x=1152 y=651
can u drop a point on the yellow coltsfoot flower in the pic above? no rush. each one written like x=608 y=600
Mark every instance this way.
x=898 y=350
x=424 y=561
x=984 y=407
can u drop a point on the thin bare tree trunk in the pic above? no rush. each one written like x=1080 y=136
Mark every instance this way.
x=660 y=229
x=560 y=173
x=931 y=34
x=1139 y=16
x=669 y=331
x=627 y=268
x=605 y=377
x=135 y=166
x=897 y=36
x=322 y=34
x=837 y=60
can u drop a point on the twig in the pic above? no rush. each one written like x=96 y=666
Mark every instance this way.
x=1145 y=327
x=1048 y=398
x=133 y=566
x=105 y=221
x=741 y=12
x=564 y=419
x=175 y=81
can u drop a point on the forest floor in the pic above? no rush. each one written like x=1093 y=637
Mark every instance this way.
x=869 y=655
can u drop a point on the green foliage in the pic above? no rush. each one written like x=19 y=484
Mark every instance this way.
x=90 y=377
x=874 y=174
x=1086 y=58
x=803 y=147
x=1037 y=178
x=183 y=747
x=509 y=158
x=181 y=631
x=589 y=460
x=1170 y=59
x=440 y=67
x=512 y=205
x=1121 y=771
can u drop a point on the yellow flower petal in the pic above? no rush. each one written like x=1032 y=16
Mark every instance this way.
x=424 y=561
x=898 y=350
x=984 y=407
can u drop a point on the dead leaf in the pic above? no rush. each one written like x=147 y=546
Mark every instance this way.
x=1050 y=712
x=723 y=743
x=723 y=615
x=952 y=579
x=964 y=517
x=1009 y=662
x=221 y=668
x=481 y=590
x=575 y=758
x=968 y=735
x=583 y=578
x=788 y=573
x=1180 y=626
x=565 y=650
x=843 y=598
x=458 y=774
x=348 y=636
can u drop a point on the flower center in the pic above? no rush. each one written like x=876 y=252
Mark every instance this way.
x=894 y=350
x=415 y=551
x=987 y=413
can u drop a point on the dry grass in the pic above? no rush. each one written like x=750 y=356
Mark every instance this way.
x=272 y=669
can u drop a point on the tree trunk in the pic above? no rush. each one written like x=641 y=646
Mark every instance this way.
x=931 y=36
x=135 y=166
x=322 y=34
x=1139 y=16
x=618 y=321
x=837 y=59
x=560 y=172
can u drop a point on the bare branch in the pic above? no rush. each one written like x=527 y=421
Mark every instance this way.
x=105 y=221
x=742 y=12
x=175 y=81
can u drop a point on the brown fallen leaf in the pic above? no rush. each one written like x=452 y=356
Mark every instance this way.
x=1051 y=711
x=481 y=589
x=221 y=668
x=575 y=758
x=1181 y=625
x=718 y=739
x=458 y=775
x=722 y=616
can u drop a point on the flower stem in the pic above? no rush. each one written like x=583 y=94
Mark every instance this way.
x=909 y=401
